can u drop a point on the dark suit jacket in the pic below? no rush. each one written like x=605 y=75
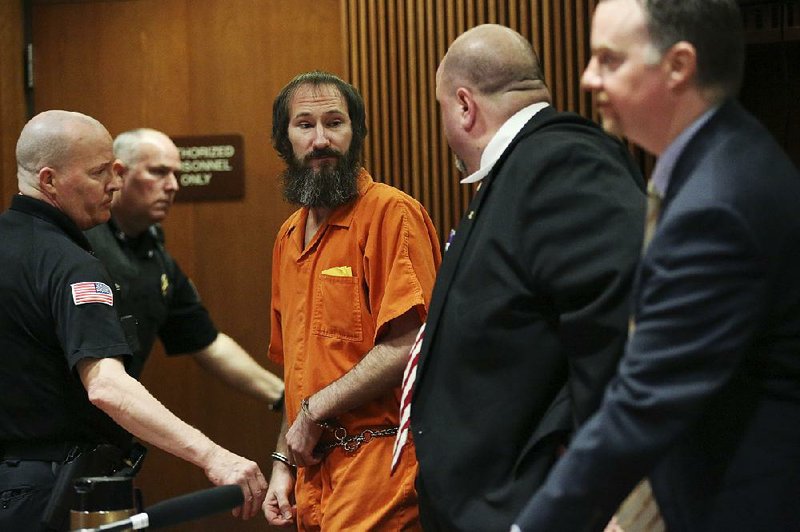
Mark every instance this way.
x=708 y=396
x=528 y=319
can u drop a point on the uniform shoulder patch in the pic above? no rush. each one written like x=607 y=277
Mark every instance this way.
x=92 y=292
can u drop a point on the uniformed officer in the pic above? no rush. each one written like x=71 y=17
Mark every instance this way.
x=61 y=344
x=154 y=290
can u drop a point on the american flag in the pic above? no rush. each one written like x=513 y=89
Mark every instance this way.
x=92 y=292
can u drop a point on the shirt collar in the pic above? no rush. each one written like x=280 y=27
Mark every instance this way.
x=118 y=233
x=144 y=241
x=662 y=172
x=501 y=140
x=44 y=211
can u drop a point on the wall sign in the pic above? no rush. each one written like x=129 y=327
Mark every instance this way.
x=212 y=167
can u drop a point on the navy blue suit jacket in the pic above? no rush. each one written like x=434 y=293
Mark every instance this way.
x=707 y=400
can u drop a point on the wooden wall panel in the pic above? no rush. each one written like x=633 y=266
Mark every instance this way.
x=772 y=70
x=12 y=97
x=191 y=68
x=394 y=49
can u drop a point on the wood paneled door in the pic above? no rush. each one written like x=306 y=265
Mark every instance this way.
x=197 y=68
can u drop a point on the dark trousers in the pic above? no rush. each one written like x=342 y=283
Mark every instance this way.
x=25 y=487
x=428 y=517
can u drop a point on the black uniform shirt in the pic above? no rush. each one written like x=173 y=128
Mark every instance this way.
x=154 y=291
x=49 y=320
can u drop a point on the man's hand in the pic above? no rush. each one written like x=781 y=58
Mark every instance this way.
x=224 y=467
x=279 y=507
x=301 y=438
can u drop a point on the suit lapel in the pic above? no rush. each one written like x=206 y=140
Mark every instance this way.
x=727 y=118
x=699 y=146
x=453 y=255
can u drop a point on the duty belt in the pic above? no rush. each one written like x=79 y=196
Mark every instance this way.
x=39 y=451
x=351 y=442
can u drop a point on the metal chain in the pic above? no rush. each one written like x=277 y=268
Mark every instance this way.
x=351 y=443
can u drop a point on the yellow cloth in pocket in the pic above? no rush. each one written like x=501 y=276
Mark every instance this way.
x=339 y=271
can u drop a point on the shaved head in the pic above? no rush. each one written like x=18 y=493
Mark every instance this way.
x=127 y=145
x=488 y=74
x=151 y=164
x=492 y=59
x=48 y=140
x=65 y=159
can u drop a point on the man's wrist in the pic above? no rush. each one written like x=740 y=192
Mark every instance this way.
x=323 y=423
x=282 y=458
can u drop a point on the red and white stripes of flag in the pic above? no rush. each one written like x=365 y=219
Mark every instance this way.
x=92 y=292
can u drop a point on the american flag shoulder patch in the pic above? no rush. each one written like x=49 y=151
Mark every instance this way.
x=92 y=292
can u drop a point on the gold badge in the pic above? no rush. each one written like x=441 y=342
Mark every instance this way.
x=164 y=284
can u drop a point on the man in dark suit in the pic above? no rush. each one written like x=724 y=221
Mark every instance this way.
x=529 y=313
x=707 y=399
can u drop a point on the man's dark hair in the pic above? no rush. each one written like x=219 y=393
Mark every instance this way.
x=280 y=111
x=713 y=27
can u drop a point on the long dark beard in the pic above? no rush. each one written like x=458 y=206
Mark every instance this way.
x=329 y=187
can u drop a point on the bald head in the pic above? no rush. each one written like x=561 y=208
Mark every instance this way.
x=49 y=139
x=128 y=146
x=150 y=164
x=488 y=74
x=65 y=159
x=492 y=60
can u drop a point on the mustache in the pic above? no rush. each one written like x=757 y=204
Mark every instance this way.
x=323 y=153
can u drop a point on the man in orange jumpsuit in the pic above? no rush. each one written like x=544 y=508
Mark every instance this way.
x=352 y=275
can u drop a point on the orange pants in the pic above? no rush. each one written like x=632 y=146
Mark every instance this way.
x=355 y=491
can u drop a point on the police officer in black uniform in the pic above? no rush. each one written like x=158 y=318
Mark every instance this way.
x=154 y=290
x=56 y=310
x=62 y=348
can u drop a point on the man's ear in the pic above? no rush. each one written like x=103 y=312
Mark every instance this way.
x=681 y=60
x=47 y=178
x=119 y=168
x=467 y=108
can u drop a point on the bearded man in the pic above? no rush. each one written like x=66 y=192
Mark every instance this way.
x=352 y=275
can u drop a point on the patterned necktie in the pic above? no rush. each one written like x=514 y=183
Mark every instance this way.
x=409 y=377
x=653 y=213
x=639 y=511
